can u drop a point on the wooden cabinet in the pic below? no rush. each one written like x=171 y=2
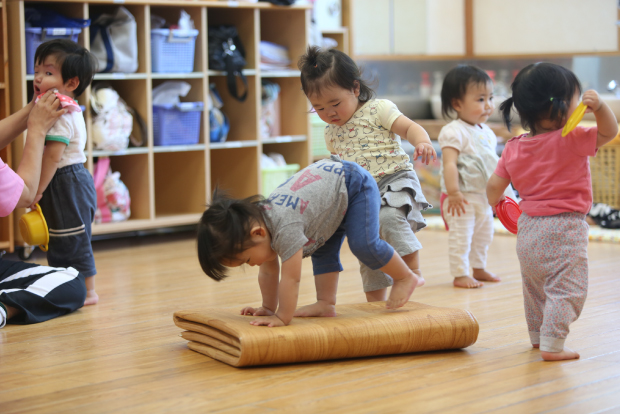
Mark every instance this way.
x=170 y=185
x=6 y=223
x=523 y=27
x=406 y=28
x=456 y=29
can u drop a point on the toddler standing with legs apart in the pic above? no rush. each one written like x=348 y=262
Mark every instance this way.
x=552 y=175
x=469 y=158
x=66 y=190
x=366 y=131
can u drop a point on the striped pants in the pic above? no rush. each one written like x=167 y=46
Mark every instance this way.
x=40 y=292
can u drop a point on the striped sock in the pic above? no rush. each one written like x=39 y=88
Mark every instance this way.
x=2 y=315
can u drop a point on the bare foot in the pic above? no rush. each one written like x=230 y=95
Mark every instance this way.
x=91 y=298
x=401 y=291
x=320 y=308
x=559 y=356
x=481 y=274
x=421 y=280
x=467 y=282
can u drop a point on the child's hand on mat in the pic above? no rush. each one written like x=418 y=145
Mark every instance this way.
x=248 y=310
x=270 y=321
x=456 y=203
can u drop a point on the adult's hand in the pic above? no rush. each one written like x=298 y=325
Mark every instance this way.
x=44 y=114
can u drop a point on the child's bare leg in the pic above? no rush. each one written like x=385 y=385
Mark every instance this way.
x=91 y=296
x=379 y=295
x=467 y=282
x=482 y=274
x=413 y=262
x=565 y=353
x=405 y=281
x=326 y=287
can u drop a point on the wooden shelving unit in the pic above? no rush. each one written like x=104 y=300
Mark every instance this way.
x=170 y=185
x=6 y=223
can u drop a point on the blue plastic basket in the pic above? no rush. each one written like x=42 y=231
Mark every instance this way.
x=173 y=51
x=177 y=124
x=37 y=35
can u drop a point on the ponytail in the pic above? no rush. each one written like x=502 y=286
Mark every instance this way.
x=506 y=110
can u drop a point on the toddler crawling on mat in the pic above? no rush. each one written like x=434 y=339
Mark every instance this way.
x=308 y=215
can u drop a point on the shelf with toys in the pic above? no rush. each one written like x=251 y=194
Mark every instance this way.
x=170 y=185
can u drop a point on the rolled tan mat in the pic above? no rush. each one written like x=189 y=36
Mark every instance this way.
x=359 y=330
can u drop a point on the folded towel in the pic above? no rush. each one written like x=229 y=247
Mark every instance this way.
x=359 y=330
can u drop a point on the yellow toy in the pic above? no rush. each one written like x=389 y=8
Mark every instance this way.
x=574 y=119
x=33 y=227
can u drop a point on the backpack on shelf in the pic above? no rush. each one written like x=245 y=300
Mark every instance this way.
x=113 y=199
x=226 y=53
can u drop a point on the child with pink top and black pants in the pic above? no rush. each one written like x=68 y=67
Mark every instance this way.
x=552 y=175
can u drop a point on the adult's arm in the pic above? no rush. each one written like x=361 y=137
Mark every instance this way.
x=44 y=113
x=39 y=120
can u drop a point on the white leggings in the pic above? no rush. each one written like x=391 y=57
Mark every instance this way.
x=470 y=235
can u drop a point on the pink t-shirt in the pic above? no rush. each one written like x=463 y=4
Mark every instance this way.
x=551 y=172
x=11 y=186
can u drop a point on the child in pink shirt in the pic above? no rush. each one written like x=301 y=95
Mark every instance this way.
x=552 y=175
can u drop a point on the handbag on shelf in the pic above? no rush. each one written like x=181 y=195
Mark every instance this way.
x=226 y=53
x=114 y=41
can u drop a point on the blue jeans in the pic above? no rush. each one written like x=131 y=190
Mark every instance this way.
x=360 y=224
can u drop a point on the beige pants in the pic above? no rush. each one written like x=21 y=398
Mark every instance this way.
x=470 y=235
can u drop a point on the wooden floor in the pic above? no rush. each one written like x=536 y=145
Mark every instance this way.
x=125 y=355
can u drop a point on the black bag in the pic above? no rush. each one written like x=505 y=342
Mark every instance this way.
x=226 y=53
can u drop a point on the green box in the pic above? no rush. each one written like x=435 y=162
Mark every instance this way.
x=319 y=149
x=273 y=177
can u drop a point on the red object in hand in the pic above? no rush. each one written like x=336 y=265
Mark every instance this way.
x=508 y=212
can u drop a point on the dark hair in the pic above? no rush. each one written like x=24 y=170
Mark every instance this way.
x=322 y=68
x=541 y=91
x=456 y=82
x=224 y=230
x=73 y=59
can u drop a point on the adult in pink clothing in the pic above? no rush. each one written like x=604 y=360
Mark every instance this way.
x=58 y=291
x=552 y=175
